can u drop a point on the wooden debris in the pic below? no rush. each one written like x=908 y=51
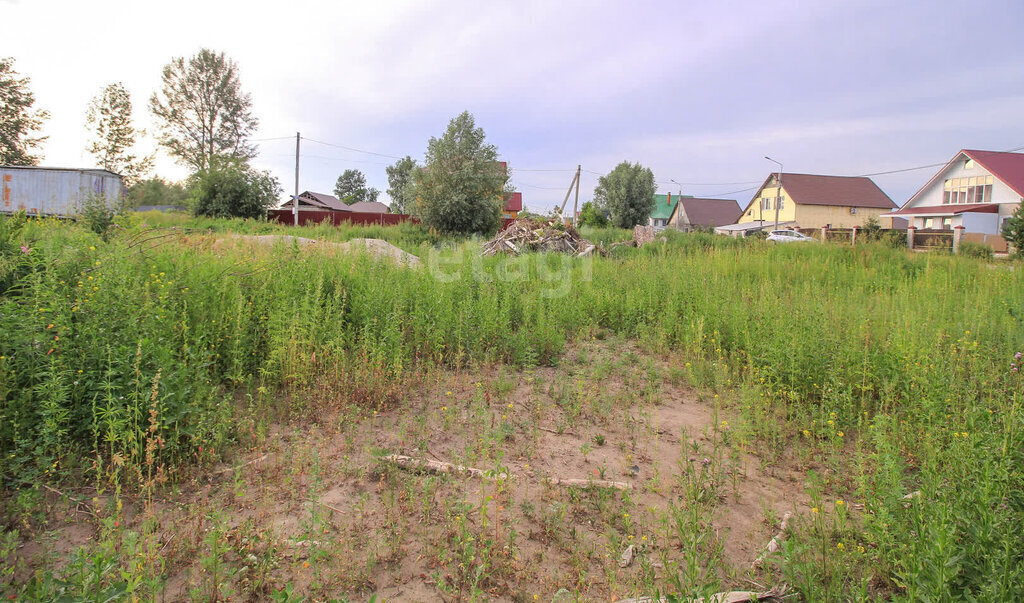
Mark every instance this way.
x=523 y=236
x=431 y=466
x=590 y=483
x=736 y=596
x=642 y=234
x=258 y=459
x=774 y=543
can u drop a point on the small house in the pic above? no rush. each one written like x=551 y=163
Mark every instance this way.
x=692 y=213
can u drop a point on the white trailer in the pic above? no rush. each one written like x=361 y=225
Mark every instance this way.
x=43 y=191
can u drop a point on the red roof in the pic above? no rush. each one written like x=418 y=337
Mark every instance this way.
x=932 y=210
x=514 y=202
x=1008 y=167
x=846 y=191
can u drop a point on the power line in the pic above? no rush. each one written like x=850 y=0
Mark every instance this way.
x=347 y=148
x=270 y=139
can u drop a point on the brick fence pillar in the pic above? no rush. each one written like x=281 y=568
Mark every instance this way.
x=958 y=233
x=910 y=237
x=853 y=236
x=824 y=233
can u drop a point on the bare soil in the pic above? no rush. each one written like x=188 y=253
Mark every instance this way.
x=313 y=505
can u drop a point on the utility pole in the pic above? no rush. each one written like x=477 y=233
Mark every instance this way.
x=576 y=203
x=575 y=183
x=295 y=199
x=778 y=199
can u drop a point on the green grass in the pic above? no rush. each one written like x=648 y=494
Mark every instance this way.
x=126 y=364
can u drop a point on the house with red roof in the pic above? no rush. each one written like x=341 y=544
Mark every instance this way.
x=513 y=205
x=814 y=201
x=977 y=190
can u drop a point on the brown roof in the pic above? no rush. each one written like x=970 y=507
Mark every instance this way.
x=711 y=212
x=371 y=207
x=845 y=191
x=322 y=201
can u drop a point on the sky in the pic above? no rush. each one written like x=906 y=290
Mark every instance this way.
x=700 y=92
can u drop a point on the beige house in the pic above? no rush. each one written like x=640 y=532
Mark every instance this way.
x=813 y=201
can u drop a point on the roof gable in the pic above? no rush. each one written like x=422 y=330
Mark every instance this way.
x=1008 y=167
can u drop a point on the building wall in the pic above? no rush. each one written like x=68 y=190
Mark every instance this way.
x=980 y=223
x=55 y=192
x=838 y=216
x=754 y=213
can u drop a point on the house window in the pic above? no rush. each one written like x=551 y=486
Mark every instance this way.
x=947 y=223
x=929 y=222
x=766 y=202
x=973 y=189
x=782 y=202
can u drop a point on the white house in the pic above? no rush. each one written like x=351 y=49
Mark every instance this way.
x=977 y=190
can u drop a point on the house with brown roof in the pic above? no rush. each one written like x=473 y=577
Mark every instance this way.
x=370 y=207
x=309 y=200
x=976 y=190
x=692 y=213
x=814 y=201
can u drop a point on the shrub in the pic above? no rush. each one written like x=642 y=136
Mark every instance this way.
x=975 y=250
x=234 y=191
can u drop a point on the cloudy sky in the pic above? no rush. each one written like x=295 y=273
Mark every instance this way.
x=698 y=91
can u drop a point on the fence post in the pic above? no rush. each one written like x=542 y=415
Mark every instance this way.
x=910 y=237
x=958 y=233
x=853 y=236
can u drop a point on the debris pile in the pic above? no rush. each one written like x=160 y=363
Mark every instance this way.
x=523 y=236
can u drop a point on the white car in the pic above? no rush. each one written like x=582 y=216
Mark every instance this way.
x=788 y=236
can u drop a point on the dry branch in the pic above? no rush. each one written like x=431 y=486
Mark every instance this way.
x=255 y=460
x=735 y=596
x=408 y=462
x=431 y=466
x=774 y=543
x=588 y=483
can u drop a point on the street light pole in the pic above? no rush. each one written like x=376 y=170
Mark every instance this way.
x=778 y=199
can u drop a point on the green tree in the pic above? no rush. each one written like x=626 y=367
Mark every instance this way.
x=233 y=190
x=203 y=112
x=110 y=118
x=157 y=191
x=401 y=185
x=590 y=216
x=351 y=188
x=463 y=187
x=1013 y=229
x=627 y=194
x=17 y=119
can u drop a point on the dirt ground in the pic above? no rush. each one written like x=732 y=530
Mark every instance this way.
x=315 y=508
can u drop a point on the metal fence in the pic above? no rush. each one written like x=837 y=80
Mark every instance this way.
x=285 y=216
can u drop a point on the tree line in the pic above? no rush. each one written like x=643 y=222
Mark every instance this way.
x=205 y=121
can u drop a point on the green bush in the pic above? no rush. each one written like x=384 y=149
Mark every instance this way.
x=976 y=250
x=234 y=191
